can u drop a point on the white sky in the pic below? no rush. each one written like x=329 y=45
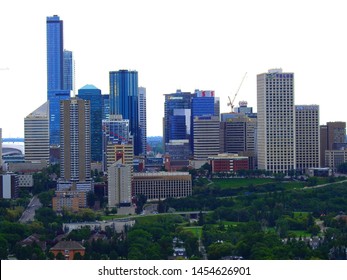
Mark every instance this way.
x=180 y=44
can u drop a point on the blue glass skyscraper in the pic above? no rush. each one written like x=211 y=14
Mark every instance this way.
x=55 y=53
x=55 y=76
x=177 y=114
x=93 y=94
x=68 y=73
x=124 y=101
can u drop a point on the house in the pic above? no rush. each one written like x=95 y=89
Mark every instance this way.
x=68 y=249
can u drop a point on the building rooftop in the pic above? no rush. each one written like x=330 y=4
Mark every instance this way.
x=67 y=245
x=89 y=87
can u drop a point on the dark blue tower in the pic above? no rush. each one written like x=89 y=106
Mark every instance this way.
x=93 y=94
x=55 y=76
x=124 y=101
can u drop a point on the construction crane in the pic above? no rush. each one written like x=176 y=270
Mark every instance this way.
x=231 y=102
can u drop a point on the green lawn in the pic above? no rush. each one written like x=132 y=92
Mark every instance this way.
x=300 y=233
x=197 y=231
x=241 y=182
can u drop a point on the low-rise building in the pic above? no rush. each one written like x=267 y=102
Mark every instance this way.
x=162 y=185
x=68 y=249
x=228 y=163
x=69 y=200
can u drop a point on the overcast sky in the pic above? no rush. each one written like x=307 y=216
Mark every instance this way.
x=180 y=44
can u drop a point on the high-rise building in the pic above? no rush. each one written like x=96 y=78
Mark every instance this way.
x=55 y=75
x=9 y=187
x=276 y=121
x=177 y=116
x=36 y=134
x=115 y=130
x=75 y=153
x=307 y=137
x=93 y=94
x=119 y=184
x=330 y=134
x=124 y=101
x=105 y=106
x=55 y=53
x=68 y=73
x=206 y=137
x=143 y=118
x=244 y=109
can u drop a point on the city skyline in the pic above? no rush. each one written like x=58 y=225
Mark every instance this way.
x=177 y=45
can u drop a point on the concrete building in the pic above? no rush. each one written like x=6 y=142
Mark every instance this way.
x=276 y=121
x=162 y=185
x=331 y=134
x=9 y=186
x=228 y=163
x=143 y=118
x=36 y=134
x=69 y=200
x=206 y=137
x=75 y=151
x=333 y=158
x=238 y=135
x=25 y=180
x=123 y=152
x=178 y=154
x=119 y=184
x=307 y=137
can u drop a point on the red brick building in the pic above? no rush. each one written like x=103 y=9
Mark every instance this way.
x=228 y=163
x=68 y=249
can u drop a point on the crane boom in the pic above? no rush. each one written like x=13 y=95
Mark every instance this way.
x=231 y=103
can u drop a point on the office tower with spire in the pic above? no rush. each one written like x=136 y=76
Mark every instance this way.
x=124 y=101
x=93 y=94
x=36 y=134
x=75 y=151
x=55 y=75
x=276 y=121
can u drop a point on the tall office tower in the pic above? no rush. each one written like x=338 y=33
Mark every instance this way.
x=93 y=94
x=217 y=107
x=55 y=53
x=177 y=116
x=203 y=104
x=307 y=137
x=124 y=101
x=238 y=136
x=276 y=121
x=115 y=130
x=105 y=106
x=55 y=75
x=143 y=118
x=119 y=184
x=69 y=71
x=36 y=134
x=330 y=134
x=206 y=137
x=75 y=154
x=122 y=152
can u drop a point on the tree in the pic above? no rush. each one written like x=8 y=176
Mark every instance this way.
x=342 y=168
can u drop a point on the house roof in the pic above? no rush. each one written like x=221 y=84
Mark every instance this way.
x=67 y=245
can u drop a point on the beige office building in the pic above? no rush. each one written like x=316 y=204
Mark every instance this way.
x=36 y=134
x=123 y=152
x=276 y=121
x=307 y=137
x=162 y=185
x=119 y=184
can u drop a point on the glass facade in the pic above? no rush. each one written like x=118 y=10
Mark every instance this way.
x=124 y=101
x=93 y=94
x=55 y=58
x=68 y=82
x=105 y=106
x=54 y=97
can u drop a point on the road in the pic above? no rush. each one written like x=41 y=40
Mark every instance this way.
x=29 y=213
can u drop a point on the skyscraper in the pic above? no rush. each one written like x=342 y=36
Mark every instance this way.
x=55 y=53
x=105 y=106
x=307 y=137
x=36 y=134
x=75 y=154
x=143 y=118
x=55 y=75
x=124 y=101
x=68 y=71
x=177 y=116
x=93 y=94
x=276 y=121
